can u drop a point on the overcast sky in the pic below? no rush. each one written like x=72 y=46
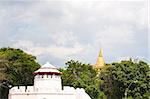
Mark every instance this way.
x=57 y=31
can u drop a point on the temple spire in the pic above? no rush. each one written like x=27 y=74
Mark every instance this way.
x=100 y=63
x=100 y=53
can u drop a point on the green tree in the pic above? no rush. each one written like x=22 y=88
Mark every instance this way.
x=84 y=76
x=127 y=75
x=16 y=68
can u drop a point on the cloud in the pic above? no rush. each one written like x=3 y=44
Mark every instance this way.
x=64 y=38
x=56 y=51
x=112 y=34
x=75 y=29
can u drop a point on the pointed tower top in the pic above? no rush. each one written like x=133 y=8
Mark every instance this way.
x=48 y=65
x=47 y=69
x=100 y=53
x=100 y=63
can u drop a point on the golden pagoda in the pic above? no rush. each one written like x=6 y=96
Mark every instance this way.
x=100 y=62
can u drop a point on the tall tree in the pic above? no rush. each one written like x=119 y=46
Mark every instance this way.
x=16 y=68
x=126 y=78
x=84 y=76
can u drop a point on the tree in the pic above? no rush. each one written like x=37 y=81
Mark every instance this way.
x=126 y=75
x=84 y=76
x=16 y=68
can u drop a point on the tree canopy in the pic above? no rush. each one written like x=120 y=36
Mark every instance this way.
x=16 y=68
x=114 y=81
x=129 y=76
x=84 y=76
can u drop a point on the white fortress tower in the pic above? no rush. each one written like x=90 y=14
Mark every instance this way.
x=47 y=78
x=47 y=85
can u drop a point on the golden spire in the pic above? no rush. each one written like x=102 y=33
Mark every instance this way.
x=100 y=61
x=100 y=53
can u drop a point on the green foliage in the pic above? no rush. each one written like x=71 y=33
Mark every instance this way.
x=84 y=76
x=16 y=68
x=127 y=75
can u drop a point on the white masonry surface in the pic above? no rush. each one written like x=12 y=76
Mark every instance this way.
x=47 y=85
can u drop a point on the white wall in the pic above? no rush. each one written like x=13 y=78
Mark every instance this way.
x=48 y=82
x=43 y=96
x=67 y=93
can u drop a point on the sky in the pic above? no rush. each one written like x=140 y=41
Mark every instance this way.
x=61 y=30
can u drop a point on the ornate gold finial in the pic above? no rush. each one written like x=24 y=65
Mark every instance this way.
x=100 y=53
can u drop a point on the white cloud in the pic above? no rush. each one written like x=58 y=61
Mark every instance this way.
x=28 y=47
x=114 y=35
x=64 y=38
x=56 y=51
x=69 y=29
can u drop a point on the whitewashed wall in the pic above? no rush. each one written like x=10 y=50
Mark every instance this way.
x=43 y=96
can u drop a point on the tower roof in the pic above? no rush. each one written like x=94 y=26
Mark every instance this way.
x=100 y=61
x=47 y=69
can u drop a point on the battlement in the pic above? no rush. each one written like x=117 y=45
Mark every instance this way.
x=54 y=77
x=21 y=89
